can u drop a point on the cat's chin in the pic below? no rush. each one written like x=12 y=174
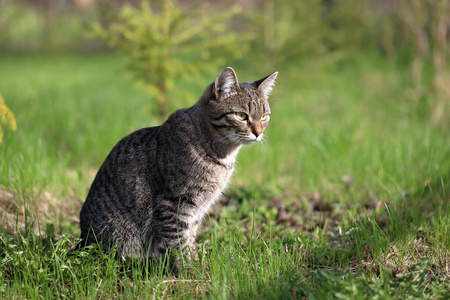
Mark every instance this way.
x=252 y=139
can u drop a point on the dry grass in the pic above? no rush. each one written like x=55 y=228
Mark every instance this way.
x=32 y=210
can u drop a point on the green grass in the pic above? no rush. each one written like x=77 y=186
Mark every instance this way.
x=347 y=197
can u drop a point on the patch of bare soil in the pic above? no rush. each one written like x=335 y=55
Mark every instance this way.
x=405 y=258
x=299 y=214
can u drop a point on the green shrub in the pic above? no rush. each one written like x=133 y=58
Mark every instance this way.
x=169 y=43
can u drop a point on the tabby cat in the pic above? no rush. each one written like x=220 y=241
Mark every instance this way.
x=157 y=184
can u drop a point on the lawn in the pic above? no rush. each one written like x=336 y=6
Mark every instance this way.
x=347 y=197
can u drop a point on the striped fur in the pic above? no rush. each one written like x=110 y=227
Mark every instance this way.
x=157 y=184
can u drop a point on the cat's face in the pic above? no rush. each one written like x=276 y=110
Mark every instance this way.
x=240 y=112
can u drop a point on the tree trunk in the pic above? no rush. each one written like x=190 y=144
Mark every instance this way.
x=269 y=34
x=420 y=15
x=47 y=33
x=439 y=33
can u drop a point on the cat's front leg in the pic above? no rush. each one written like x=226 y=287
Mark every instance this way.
x=189 y=247
x=171 y=233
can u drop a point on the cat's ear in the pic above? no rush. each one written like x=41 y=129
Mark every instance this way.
x=225 y=83
x=265 y=85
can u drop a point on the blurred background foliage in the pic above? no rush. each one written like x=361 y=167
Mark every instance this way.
x=6 y=118
x=198 y=36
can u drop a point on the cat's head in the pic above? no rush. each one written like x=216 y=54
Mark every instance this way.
x=240 y=112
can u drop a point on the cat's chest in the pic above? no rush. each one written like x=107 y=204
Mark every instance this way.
x=213 y=180
x=215 y=177
x=228 y=162
x=223 y=169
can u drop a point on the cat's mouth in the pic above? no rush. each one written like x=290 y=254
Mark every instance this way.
x=245 y=139
x=251 y=138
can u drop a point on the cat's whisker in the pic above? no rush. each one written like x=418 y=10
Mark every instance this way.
x=263 y=142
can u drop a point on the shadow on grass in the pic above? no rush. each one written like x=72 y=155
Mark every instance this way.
x=338 y=284
x=420 y=212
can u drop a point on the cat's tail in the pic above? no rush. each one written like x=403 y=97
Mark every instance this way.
x=82 y=244
x=77 y=247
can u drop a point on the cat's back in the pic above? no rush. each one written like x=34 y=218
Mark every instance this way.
x=138 y=156
x=140 y=166
x=119 y=184
x=130 y=153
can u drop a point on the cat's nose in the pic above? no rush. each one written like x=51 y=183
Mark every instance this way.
x=257 y=129
x=257 y=132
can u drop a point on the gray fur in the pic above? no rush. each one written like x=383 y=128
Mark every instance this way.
x=157 y=184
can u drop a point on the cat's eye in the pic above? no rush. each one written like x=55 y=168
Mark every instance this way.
x=265 y=117
x=241 y=116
